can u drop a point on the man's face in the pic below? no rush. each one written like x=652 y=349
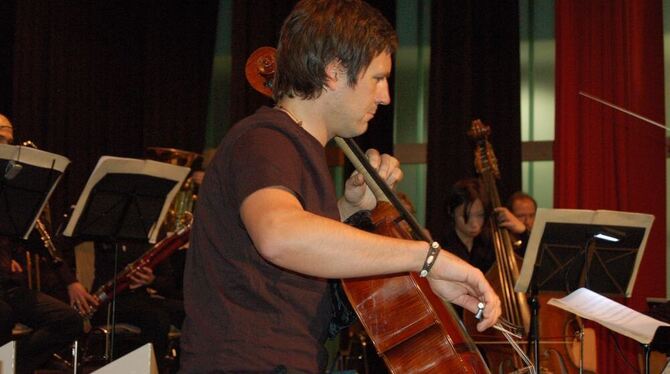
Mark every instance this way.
x=6 y=131
x=524 y=210
x=353 y=107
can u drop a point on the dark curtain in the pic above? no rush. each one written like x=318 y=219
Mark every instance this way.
x=605 y=158
x=7 y=23
x=94 y=78
x=474 y=74
x=256 y=24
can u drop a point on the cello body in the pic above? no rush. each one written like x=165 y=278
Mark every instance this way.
x=411 y=328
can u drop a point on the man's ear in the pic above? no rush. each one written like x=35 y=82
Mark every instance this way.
x=334 y=73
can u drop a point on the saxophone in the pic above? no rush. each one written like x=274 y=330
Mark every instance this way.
x=184 y=201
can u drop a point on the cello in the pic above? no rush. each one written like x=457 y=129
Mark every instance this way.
x=553 y=354
x=411 y=328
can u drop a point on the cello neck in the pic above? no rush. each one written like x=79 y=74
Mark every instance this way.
x=379 y=188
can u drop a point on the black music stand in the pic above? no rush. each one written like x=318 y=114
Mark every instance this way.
x=661 y=341
x=569 y=249
x=125 y=199
x=28 y=176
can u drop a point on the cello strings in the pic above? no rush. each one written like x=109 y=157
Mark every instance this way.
x=510 y=335
x=506 y=327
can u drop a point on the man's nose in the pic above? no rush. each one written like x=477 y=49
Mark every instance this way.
x=383 y=97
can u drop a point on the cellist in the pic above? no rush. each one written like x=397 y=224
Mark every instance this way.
x=268 y=233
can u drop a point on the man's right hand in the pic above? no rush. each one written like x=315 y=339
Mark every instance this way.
x=458 y=282
x=509 y=221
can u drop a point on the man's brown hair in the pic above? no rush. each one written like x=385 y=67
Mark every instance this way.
x=318 y=32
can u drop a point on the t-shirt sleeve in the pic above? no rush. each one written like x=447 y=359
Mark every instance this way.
x=264 y=157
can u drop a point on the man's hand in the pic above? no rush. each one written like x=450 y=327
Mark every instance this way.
x=357 y=195
x=80 y=299
x=509 y=221
x=142 y=277
x=460 y=283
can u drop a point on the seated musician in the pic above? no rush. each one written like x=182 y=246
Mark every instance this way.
x=54 y=324
x=468 y=237
x=524 y=207
x=466 y=209
x=518 y=217
x=153 y=300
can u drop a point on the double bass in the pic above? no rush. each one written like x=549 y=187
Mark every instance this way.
x=557 y=329
x=411 y=328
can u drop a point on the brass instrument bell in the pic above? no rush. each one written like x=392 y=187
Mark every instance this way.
x=184 y=201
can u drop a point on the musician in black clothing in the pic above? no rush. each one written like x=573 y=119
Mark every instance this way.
x=518 y=217
x=153 y=300
x=54 y=324
x=467 y=208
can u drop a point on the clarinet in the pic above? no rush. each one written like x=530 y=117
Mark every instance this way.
x=48 y=243
x=151 y=258
x=56 y=258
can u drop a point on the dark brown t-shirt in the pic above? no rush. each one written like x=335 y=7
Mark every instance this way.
x=244 y=313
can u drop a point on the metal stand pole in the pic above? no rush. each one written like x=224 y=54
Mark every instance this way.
x=647 y=355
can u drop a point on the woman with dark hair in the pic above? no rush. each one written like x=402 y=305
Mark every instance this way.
x=467 y=211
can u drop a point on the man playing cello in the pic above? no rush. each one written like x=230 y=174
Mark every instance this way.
x=268 y=232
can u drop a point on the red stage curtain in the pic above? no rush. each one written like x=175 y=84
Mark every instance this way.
x=604 y=158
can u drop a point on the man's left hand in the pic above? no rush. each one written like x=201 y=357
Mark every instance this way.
x=357 y=195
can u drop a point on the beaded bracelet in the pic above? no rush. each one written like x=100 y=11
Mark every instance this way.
x=428 y=263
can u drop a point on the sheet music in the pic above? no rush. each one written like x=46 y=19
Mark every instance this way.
x=609 y=313
x=119 y=165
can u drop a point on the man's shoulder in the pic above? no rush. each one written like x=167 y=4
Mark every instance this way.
x=264 y=117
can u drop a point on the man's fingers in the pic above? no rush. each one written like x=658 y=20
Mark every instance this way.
x=373 y=157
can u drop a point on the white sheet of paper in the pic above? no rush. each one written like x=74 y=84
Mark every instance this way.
x=609 y=313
